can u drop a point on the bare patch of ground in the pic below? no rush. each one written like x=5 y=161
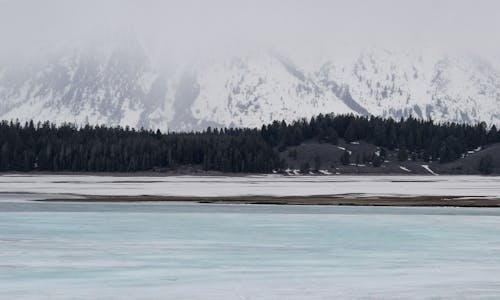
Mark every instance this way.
x=350 y=200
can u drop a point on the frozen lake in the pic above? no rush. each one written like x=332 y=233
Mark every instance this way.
x=268 y=185
x=207 y=251
x=203 y=251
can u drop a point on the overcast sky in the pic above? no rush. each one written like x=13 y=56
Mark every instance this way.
x=31 y=24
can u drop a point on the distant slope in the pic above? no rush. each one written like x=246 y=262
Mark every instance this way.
x=470 y=163
x=329 y=158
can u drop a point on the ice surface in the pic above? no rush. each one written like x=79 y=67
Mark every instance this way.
x=196 y=251
x=275 y=185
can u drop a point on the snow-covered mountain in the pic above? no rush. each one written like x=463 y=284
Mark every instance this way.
x=125 y=84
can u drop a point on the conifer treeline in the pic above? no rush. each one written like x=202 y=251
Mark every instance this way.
x=423 y=138
x=47 y=147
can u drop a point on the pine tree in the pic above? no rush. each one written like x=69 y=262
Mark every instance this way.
x=305 y=168
x=377 y=161
x=317 y=163
x=345 y=158
x=486 y=165
x=402 y=154
x=350 y=133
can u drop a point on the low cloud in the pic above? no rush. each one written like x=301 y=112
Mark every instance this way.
x=28 y=25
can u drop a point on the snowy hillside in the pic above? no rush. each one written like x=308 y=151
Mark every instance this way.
x=125 y=84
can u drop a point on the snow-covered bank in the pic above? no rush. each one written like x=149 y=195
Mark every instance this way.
x=264 y=185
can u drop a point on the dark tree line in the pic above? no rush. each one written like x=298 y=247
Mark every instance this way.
x=422 y=139
x=47 y=147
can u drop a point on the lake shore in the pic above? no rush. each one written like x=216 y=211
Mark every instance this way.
x=346 y=200
x=458 y=191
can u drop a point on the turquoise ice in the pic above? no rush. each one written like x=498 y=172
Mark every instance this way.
x=192 y=251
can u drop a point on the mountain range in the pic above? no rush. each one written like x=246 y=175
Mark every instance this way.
x=124 y=83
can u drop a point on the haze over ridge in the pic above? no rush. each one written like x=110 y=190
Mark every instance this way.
x=191 y=64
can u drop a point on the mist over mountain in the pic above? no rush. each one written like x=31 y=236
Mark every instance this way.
x=184 y=66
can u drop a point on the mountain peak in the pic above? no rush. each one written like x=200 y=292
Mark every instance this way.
x=127 y=84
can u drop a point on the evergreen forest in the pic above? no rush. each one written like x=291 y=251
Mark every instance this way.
x=49 y=147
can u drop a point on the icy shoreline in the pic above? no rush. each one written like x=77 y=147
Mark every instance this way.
x=257 y=185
